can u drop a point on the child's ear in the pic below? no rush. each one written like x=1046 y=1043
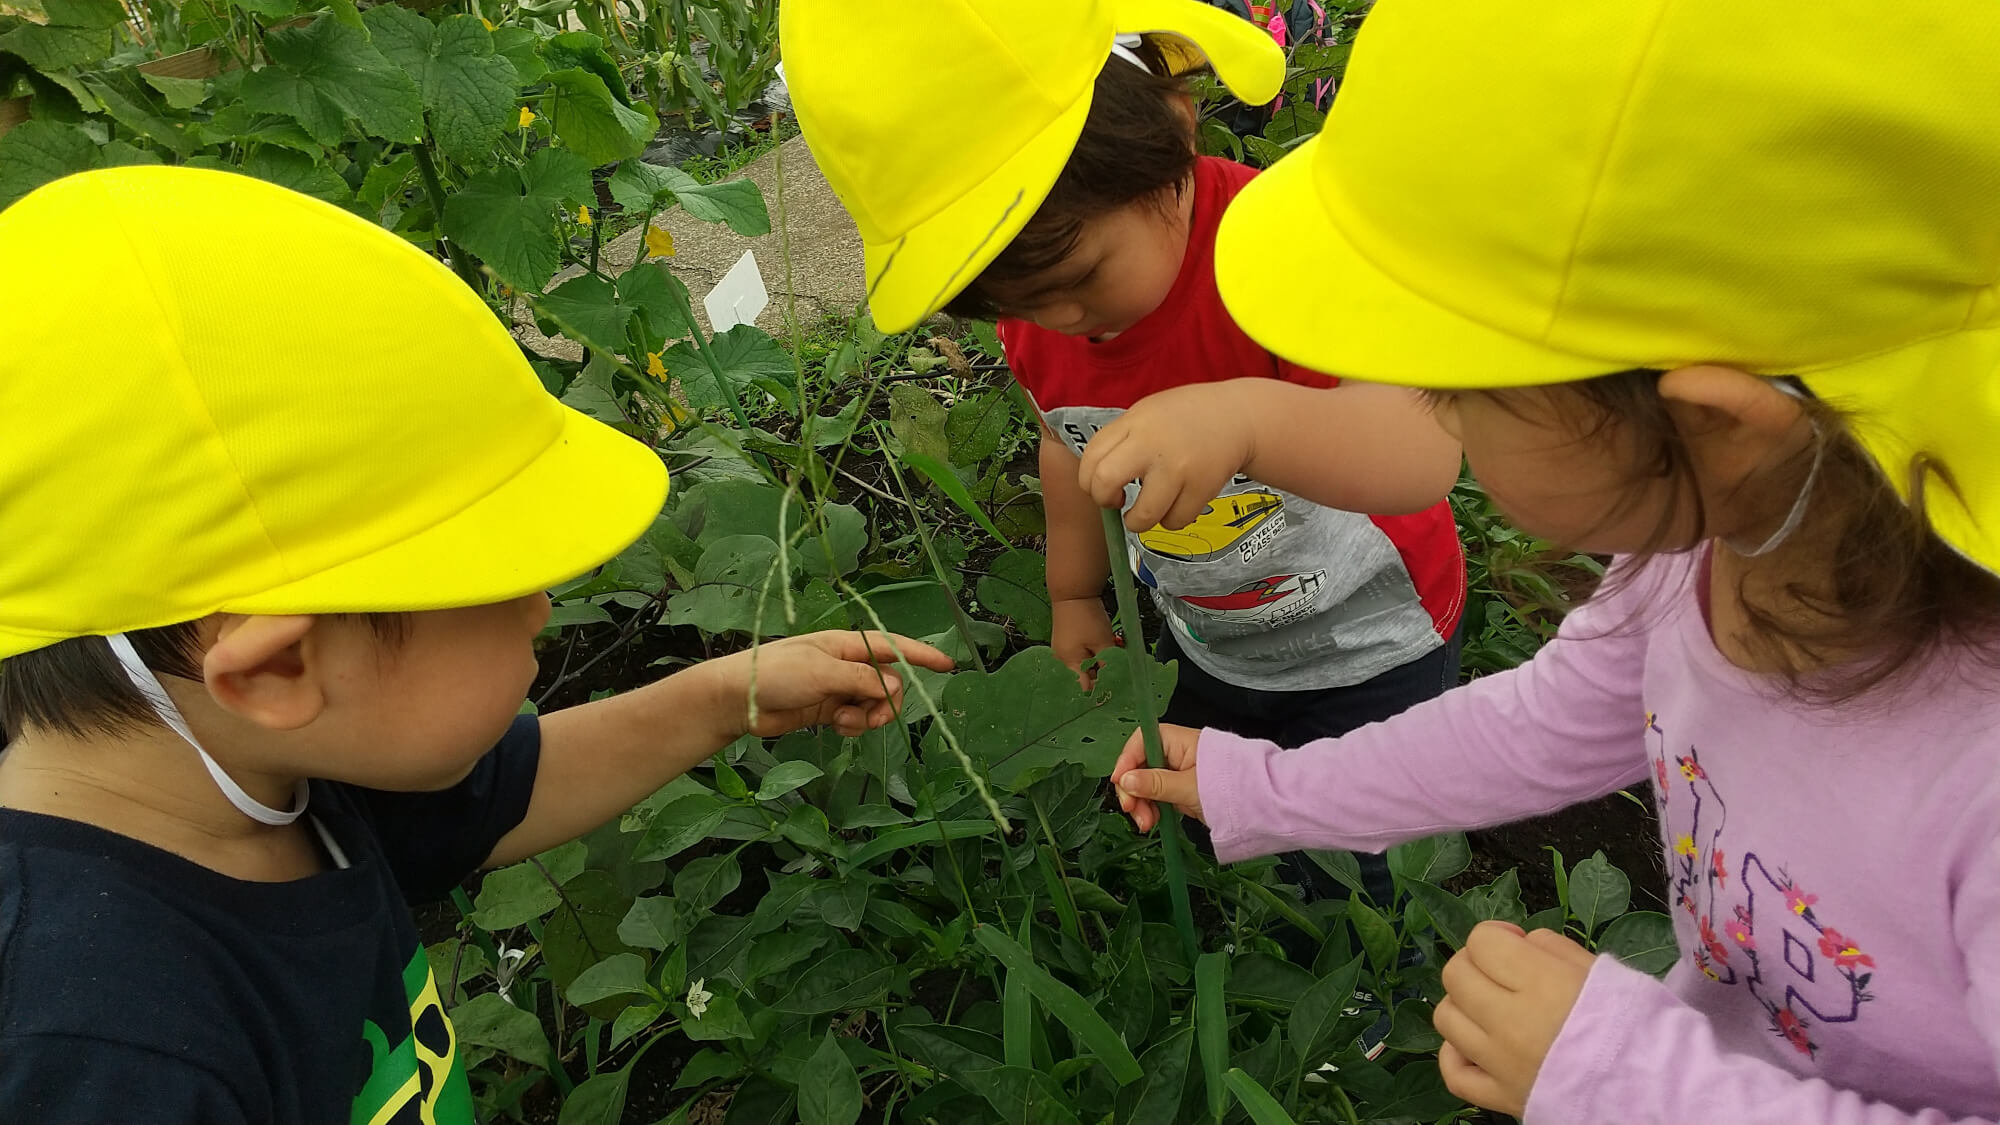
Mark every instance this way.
x=259 y=669
x=1734 y=423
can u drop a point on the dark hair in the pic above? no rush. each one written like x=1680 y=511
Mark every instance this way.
x=1895 y=593
x=1137 y=146
x=78 y=688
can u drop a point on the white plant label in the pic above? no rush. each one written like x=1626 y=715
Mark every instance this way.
x=739 y=297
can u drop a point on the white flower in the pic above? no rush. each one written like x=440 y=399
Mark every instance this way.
x=698 y=997
x=507 y=967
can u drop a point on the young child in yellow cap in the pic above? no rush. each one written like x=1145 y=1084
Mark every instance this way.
x=281 y=497
x=1692 y=293
x=1036 y=162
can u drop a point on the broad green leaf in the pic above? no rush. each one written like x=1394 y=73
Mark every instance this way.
x=1378 y=936
x=597 y=126
x=269 y=10
x=736 y=575
x=130 y=104
x=53 y=48
x=592 y=394
x=517 y=894
x=917 y=420
x=587 y=309
x=84 y=13
x=518 y=45
x=327 y=72
x=851 y=978
x=785 y=777
x=488 y=1020
x=1598 y=892
x=638 y=186
x=180 y=93
x=653 y=292
x=709 y=1065
x=975 y=426
x=1158 y=1093
x=722 y=1019
x=1433 y=859
x=1260 y=978
x=1029 y=716
x=707 y=881
x=1319 y=1009
x=584 y=50
x=621 y=974
x=829 y=1088
x=299 y=172
x=467 y=89
x=653 y=922
x=773 y=953
x=1411 y=1031
x=1554 y=918
x=1263 y=1108
x=506 y=218
x=1452 y=918
x=597 y=1100
x=1499 y=900
x=1211 y=1028
x=39 y=152
x=947 y=482
x=1017 y=1013
x=1063 y=1002
x=916 y=836
x=635 y=1020
x=584 y=930
x=682 y=824
x=971 y=1059
x=1016 y=586
x=744 y=354
x=739 y=203
x=1643 y=939
x=807 y=827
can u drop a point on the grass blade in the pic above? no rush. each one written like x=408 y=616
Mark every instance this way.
x=1149 y=726
x=916 y=836
x=1017 y=1011
x=940 y=474
x=1211 y=1028
x=1263 y=1108
x=1065 y=1004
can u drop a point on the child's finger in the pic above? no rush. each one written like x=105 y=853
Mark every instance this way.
x=1158 y=489
x=1132 y=757
x=1464 y=1077
x=1562 y=947
x=1174 y=787
x=883 y=648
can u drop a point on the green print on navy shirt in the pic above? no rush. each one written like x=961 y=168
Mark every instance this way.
x=421 y=1079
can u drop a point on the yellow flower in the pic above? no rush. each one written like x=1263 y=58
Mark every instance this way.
x=1684 y=845
x=659 y=243
x=527 y=117
x=488 y=23
x=655 y=367
x=583 y=215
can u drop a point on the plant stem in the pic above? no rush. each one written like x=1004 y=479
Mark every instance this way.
x=461 y=263
x=1149 y=726
x=958 y=617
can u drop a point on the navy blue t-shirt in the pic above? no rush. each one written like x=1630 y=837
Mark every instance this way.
x=138 y=986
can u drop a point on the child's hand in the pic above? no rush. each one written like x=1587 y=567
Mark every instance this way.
x=1182 y=445
x=1140 y=788
x=1079 y=630
x=820 y=679
x=1507 y=994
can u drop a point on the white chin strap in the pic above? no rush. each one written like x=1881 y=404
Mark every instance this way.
x=1797 y=515
x=149 y=686
x=1123 y=46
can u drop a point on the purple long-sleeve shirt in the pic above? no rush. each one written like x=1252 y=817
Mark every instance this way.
x=1834 y=874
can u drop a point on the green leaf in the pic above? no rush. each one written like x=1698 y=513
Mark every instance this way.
x=785 y=777
x=1319 y=1009
x=635 y=1020
x=917 y=419
x=39 y=152
x=829 y=1088
x=129 y=103
x=1158 y=1093
x=638 y=186
x=730 y=582
x=709 y=1065
x=1452 y=918
x=744 y=354
x=467 y=89
x=723 y=1019
x=585 y=50
x=507 y=218
x=1016 y=586
x=1378 y=936
x=739 y=203
x=518 y=894
x=584 y=930
x=519 y=46
x=180 y=93
x=681 y=825
x=1554 y=918
x=707 y=881
x=621 y=974
x=1260 y=978
x=100 y=14
x=653 y=922
x=807 y=827
x=837 y=553
x=947 y=482
x=1029 y=716
x=597 y=126
x=916 y=836
x=592 y=395
x=1598 y=892
x=586 y=307
x=597 y=1100
x=326 y=72
x=1433 y=859
x=1263 y=1108
x=976 y=425
x=1211 y=1027
x=1643 y=939
x=299 y=172
x=851 y=978
x=487 y=1020
x=1411 y=1029
x=269 y=11
x=54 y=48
x=1063 y=1002
x=1499 y=900
x=660 y=299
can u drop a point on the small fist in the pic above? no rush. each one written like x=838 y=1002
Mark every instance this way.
x=1140 y=790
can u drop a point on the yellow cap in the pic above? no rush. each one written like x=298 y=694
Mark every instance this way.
x=223 y=396
x=942 y=124
x=1507 y=197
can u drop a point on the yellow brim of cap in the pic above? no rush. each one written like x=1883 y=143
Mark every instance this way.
x=588 y=496
x=1275 y=239
x=917 y=274
x=1940 y=395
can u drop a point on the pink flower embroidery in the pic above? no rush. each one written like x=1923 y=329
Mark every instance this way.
x=1794 y=1030
x=1721 y=873
x=1691 y=769
x=1660 y=771
x=1715 y=947
x=1739 y=929
x=1798 y=900
x=1701 y=962
x=1844 y=952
